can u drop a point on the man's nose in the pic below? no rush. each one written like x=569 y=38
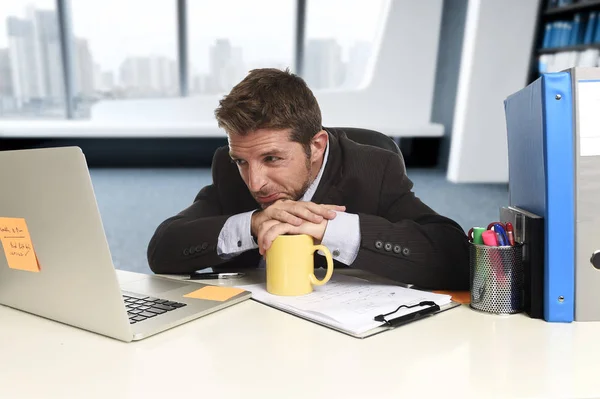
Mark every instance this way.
x=256 y=179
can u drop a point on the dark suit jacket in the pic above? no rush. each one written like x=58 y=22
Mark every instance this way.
x=401 y=238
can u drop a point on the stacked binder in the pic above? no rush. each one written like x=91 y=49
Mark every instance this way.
x=584 y=28
x=553 y=128
x=529 y=231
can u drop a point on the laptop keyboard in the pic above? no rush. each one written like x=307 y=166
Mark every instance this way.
x=142 y=307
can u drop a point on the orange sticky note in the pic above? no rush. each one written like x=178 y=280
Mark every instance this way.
x=214 y=293
x=17 y=245
x=463 y=297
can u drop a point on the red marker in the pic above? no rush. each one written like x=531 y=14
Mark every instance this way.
x=510 y=232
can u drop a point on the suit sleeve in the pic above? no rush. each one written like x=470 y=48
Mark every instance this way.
x=409 y=242
x=188 y=241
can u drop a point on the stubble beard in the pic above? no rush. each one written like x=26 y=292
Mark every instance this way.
x=298 y=194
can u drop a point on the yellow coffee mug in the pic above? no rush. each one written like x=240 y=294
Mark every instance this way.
x=290 y=265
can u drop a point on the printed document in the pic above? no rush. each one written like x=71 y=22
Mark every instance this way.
x=349 y=303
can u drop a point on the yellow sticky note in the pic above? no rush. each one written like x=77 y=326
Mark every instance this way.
x=17 y=245
x=214 y=293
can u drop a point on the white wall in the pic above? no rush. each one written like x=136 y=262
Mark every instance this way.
x=399 y=98
x=496 y=51
x=396 y=100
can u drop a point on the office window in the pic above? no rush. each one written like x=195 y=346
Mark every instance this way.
x=31 y=74
x=123 y=49
x=340 y=41
x=228 y=38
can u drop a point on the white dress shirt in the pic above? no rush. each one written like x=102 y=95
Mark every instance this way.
x=341 y=237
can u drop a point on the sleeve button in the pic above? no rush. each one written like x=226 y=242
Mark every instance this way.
x=336 y=253
x=406 y=251
x=388 y=246
x=397 y=249
x=239 y=243
x=378 y=244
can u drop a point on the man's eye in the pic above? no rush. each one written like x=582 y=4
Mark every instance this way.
x=271 y=159
x=238 y=162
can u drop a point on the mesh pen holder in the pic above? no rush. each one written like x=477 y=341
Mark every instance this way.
x=496 y=278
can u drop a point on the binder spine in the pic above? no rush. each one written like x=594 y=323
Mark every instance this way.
x=559 y=276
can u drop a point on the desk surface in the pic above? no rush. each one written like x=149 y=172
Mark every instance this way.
x=253 y=351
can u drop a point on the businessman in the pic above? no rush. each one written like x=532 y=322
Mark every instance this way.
x=283 y=173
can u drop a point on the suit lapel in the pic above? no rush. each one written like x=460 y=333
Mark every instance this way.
x=327 y=191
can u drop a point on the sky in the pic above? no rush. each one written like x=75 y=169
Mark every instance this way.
x=264 y=29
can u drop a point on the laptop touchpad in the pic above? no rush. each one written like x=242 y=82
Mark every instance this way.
x=152 y=286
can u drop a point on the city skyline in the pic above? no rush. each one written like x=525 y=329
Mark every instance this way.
x=31 y=71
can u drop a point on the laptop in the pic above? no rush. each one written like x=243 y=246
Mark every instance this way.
x=77 y=283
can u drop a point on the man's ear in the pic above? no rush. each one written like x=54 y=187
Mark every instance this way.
x=318 y=144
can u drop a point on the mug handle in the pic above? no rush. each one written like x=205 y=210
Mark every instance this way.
x=313 y=279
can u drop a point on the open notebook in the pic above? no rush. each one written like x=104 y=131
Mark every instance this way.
x=350 y=304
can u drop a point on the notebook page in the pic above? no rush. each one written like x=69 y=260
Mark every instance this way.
x=348 y=302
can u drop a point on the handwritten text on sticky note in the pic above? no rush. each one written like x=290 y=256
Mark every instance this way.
x=214 y=293
x=17 y=245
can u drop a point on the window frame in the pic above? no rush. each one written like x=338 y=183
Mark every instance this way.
x=65 y=27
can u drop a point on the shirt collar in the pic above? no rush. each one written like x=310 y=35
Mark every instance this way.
x=313 y=187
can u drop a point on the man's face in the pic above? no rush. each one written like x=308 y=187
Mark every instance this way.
x=272 y=166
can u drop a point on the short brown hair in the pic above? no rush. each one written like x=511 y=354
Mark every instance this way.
x=271 y=99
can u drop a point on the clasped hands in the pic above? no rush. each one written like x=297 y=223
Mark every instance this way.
x=291 y=217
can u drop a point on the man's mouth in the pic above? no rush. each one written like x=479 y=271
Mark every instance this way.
x=267 y=199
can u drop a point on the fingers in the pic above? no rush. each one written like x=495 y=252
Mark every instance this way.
x=323 y=211
x=270 y=230
x=292 y=212
x=332 y=209
x=339 y=208
x=308 y=211
x=274 y=232
x=286 y=216
x=295 y=212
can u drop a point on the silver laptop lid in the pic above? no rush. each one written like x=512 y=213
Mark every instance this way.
x=51 y=189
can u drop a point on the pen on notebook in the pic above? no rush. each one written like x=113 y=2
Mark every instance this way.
x=213 y=276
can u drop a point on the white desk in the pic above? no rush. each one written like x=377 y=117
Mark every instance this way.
x=252 y=351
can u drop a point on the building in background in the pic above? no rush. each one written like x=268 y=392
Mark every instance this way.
x=323 y=66
x=226 y=66
x=107 y=81
x=359 y=56
x=6 y=89
x=47 y=46
x=84 y=70
x=26 y=71
x=148 y=76
x=35 y=62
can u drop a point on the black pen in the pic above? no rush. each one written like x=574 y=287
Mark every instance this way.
x=212 y=276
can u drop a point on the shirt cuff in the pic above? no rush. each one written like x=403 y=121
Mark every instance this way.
x=342 y=237
x=236 y=236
